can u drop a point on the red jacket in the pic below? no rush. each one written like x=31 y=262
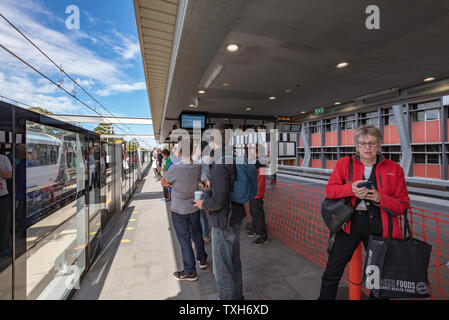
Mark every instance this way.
x=391 y=187
x=261 y=179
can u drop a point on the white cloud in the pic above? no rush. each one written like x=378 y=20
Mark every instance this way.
x=122 y=87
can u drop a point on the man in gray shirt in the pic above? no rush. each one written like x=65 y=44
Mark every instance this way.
x=184 y=177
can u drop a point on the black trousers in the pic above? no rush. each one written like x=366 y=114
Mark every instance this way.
x=258 y=215
x=341 y=254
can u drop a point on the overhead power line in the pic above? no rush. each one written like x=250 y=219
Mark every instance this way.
x=62 y=71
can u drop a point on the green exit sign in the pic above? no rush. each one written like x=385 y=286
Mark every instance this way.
x=319 y=110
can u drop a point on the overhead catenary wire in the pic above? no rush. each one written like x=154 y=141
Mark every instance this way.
x=50 y=80
x=62 y=71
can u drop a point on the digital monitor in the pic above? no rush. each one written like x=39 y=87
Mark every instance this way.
x=285 y=128
x=296 y=128
x=187 y=120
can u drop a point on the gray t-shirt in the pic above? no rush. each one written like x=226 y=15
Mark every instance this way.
x=185 y=179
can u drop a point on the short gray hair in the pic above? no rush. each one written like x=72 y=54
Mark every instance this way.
x=368 y=130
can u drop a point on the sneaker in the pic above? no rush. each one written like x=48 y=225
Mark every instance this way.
x=203 y=264
x=206 y=238
x=163 y=200
x=182 y=276
x=250 y=233
x=260 y=240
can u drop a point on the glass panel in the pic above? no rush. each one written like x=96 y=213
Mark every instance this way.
x=6 y=200
x=419 y=158
x=418 y=116
x=433 y=158
x=433 y=114
x=53 y=210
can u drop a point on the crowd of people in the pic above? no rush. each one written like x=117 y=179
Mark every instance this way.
x=203 y=208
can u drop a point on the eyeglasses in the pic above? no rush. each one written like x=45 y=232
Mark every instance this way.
x=365 y=144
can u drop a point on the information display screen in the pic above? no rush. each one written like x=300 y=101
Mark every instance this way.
x=187 y=120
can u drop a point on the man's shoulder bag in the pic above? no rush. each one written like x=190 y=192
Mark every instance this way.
x=336 y=213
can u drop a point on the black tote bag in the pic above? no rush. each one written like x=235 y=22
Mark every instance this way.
x=397 y=268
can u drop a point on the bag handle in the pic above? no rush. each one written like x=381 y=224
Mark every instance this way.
x=391 y=214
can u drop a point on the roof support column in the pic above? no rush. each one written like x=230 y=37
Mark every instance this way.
x=406 y=160
x=306 y=143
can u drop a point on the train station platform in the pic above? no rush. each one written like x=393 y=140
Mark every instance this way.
x=140 y=252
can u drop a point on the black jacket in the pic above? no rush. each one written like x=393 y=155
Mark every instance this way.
x=223 y=213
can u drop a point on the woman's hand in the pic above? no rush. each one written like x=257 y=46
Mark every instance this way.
x=359 y=192
x=373 y=196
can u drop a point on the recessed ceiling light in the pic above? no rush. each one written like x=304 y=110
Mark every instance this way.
x=225 y=84
x=288 y=90
x=201 y=92
x=337 y=103
x=191 y=105
x=303 y=112
x=232 y=47
x=248 y=109
x=272 y=98
x=429 y=79
x=342 y=65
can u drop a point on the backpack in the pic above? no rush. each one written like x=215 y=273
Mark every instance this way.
x=245 y=183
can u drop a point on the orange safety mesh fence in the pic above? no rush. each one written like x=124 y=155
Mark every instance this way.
x=292 y=214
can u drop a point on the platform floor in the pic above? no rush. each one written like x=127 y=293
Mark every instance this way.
x=140 y=252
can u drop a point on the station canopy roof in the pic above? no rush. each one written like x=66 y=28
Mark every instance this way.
x=288 y=49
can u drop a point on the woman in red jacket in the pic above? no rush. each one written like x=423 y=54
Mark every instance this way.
x=388 y=190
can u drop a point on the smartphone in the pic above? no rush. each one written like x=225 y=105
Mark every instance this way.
x=366 y=184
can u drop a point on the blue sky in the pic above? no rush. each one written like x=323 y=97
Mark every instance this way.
x=103 y=56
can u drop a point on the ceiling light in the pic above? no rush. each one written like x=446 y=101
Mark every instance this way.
x=232 y=47
x=272 y=98
x=201 y=92
x=429 y=79
x=303 y=112
x=337 y=103
x=342 y=65
x=225 y=84
x=248 y=109
x=191 y=105
x=288 y=90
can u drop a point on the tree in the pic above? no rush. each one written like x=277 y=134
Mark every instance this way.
x=40 y=110
x=104 y=128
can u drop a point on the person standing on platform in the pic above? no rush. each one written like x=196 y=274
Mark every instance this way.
x=184 y=177
x=385 y=188
x=5 y=205
x=166 y=163
x=258 y=229
x=225 y=217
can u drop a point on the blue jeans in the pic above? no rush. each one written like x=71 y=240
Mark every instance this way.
x=188 y=228
x=227 y=266
x=204 y=223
